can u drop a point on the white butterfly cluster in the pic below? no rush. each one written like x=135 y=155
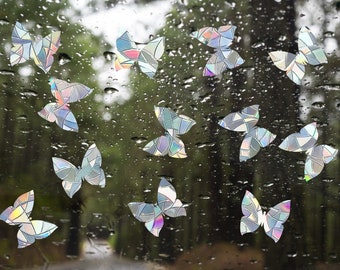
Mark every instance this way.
x=256 y=138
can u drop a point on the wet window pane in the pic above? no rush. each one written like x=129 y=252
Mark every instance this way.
x=96 y=135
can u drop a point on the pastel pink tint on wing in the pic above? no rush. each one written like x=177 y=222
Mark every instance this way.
x=277 y=234
x=132 y=54
x=286 y=206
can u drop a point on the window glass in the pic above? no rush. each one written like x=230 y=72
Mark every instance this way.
x=96 y=227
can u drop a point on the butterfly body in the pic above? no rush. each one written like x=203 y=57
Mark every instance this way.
x=255 y=137
x=90 y=170
x=317 y=155
x=153 y=214
x=147 y=58
x=220 y=39
x=254 y=217
x=64 y=94
x=41 y=50
x=19 y=214
x=169 y=143
x=309 y=53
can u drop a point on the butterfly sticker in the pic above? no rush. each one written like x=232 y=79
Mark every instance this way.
x=29 y=230
x=317 y=155
x=72 y=176
x=147 y=58
x=254 y=217
x=309 y=53
x=170 y=144
x=59 y=111
x=152 y=214
x=41 y=50
x=220 y=39
x=255 y=137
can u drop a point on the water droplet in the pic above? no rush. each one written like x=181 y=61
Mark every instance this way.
x=139 y=140
x=337 y=105
x=3 y=22
x=318 y=105
x=61 y=18
x=63 y=58
x=204 y=197
x=291 y=255
x=332 y=255
x=258 y=45
x=22 y=117
x=109 y=56
x=7 y=72
x=328 y=34
x=29 y=93
x=110 y=90
x=206 y=144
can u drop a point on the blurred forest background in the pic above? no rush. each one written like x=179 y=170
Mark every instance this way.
x=211 y=179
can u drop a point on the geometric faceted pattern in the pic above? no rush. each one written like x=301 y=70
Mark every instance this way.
x=255 y=137
x=309 y=53
x=41 y=50
x=170 y=144
x=147 y=58
x=220 y=39
x=317 y=155
x=152 y=214
x=72 y=176
x=19 y=214
x=254 y=217
x=59 y=111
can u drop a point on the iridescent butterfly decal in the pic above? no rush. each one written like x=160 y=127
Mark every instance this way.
x=309 y=53
x=254 y=217
x=59 y=111
x=72 y=176
x=255 y=137
x=147 y=57
x=41 y=50
x=170 y=144
x=29 y=230
x=152 y=214
x=220 y=39
x=317 y=155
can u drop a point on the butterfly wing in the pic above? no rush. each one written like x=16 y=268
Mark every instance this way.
x=286 y=61
x=36 y=229
x=22 y=43
x=68 y=173
x=42 y=51
x=166 y=145
x=309 y=49
x=253 y=141
x=316 y=158
x=173 y=123
x=150 y=214
x=252 y=214
x=20 y=211
x=242 y=121
x=215 y=38
x=149 y=55
x=302 y=141
x=167 y=200
x=274 y=219
x=221 y=60
x=127 y=52
x=90 y=167
x=62 y=115
x=66 y=92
